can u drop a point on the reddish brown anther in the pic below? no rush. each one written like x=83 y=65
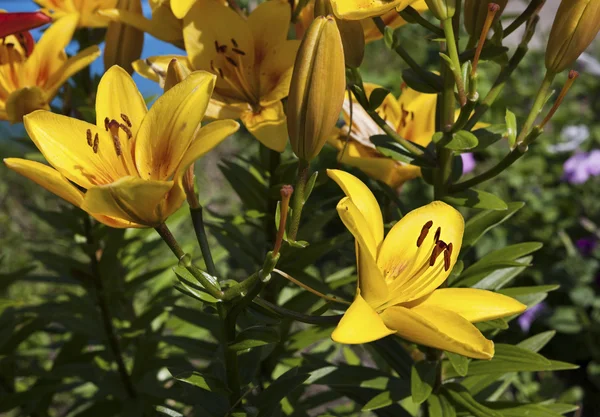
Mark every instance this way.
x=424 y=233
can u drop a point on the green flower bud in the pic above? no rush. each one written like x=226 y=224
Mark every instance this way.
x=575 y=26
x=317 y=88
x=442 y=9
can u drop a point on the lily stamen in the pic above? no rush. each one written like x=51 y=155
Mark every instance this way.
x=89 y=138
x=424 y=232
x=126 y=119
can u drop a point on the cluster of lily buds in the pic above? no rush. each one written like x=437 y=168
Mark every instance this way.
x=124 y=43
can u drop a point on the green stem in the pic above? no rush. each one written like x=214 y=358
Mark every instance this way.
x=198 y=221
x=109 y=329
x=167 y=236
x=453 y=54
x=537 y=106
x=252 y=286
x=425 y=75
x=273 y=159
x=497 y=87
x=444 y=156
x=298 y=197
x=413 y=16
x=523 y=17
x=408 y=145
x=230 y=356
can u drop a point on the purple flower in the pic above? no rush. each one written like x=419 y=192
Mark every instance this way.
x=586 y=245
x=581 y=166
x=468 y=161
x=530 y=315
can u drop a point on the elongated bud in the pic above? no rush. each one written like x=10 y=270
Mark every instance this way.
x=476 y=12
x=124 y=43
x=317 y=88
x=175 y=74
x=351 y=31
x=575 y=26
x=442 y=9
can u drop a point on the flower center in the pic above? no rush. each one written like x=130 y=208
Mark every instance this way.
x=230 y=68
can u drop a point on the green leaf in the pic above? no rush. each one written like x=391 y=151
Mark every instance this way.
x=422 y=380
x=512 y=409
x=529 y=295
x=269 y=399
x=310 y=185
x=377 y=96
x=417 y=82
x=537 y=342
x=255 y=336
x=448 y=60
x=508 y=358
x=500 y=277
x=488 y=136
x=512 y=252
x=459 y=141
x=460 y=396
x=203 y=381
x=460 y=363
x=476 y=199
x=482 y=222
x=511 y=128
x=392 y=149
x=385 y=399
x=191 y=289
x=439 y=406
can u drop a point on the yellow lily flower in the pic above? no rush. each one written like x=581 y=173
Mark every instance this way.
x=399 y=276
x=412 y=116
x=363 y=9
x=85 y=9
x=29 y=83
x=131 y=163
x=251 y=57
x=163 y=25
x=390 y=18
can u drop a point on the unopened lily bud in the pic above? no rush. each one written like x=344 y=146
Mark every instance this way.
x=476 y=12
x=124 y=43
x=575 y=26
x=175 y=74
x=351 y=31
x=25 y=101
x=317 y=88
x=442 y=9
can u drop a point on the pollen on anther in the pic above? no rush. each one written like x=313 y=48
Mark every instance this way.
x=106 y=123
x=231 y=61
x=238 y=51
x=126 y=130
x=89 y=138
x=446 y=260
x=126 y=119
x=438 y=232
x=424 y=232
x=96 y=143
x=235 y=44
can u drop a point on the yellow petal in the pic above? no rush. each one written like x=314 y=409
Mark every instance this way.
x=209 y=136
x=408 y=265
x=474 y=305
x=276 y=71
x=438 y=328
x=370 y=279
x=268 y=126
x=360 y=324
x=391 y=19
x=375 y=165
x=72 y=66
x=164 y=25
x=361 y=9
x=208 y=22
x=223 y=109
x=171 y=125
x=48 y=55
x=364 y=200
x=181 y=7
x=47 y=177
x=118 y=99
x=63 y=142
x=418 y=121
x=155 y=67
x=130 y=199
x=116 y=222
x=269 y=24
